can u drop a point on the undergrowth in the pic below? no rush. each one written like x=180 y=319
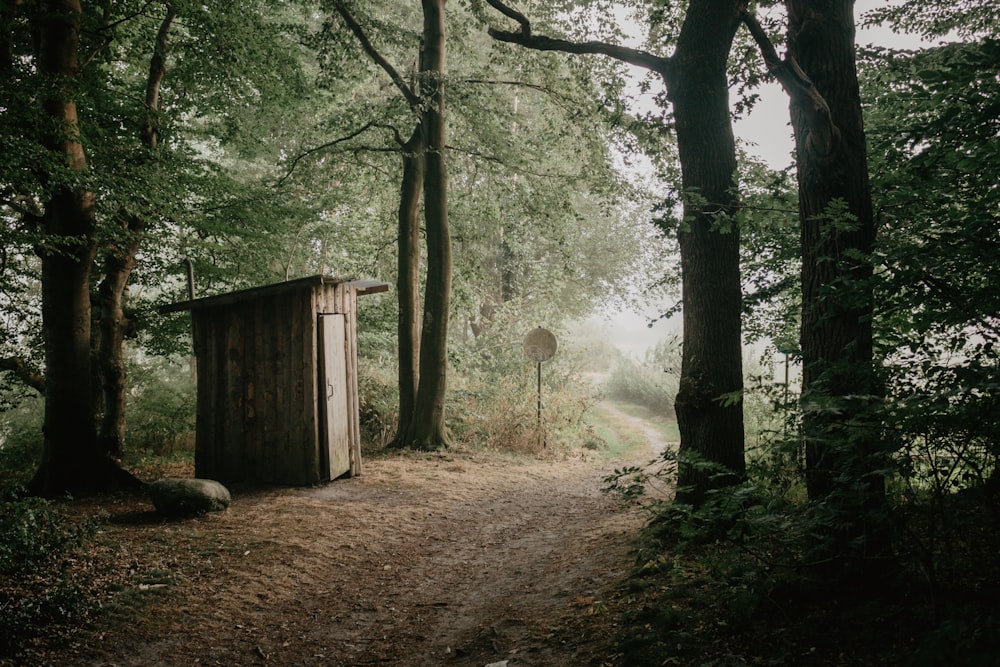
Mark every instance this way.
x=44 y=590
x=733 y=582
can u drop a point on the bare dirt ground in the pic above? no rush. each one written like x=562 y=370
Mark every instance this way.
x=458 y=559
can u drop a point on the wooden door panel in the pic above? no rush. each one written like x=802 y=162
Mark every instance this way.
x=333 y=384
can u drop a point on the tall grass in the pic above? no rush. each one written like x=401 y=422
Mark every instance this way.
x=652 y=382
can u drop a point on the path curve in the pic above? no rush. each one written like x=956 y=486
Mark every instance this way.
x=656 y=440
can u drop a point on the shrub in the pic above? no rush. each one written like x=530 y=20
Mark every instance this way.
x=40 y=593
x=161 y=410
x=20 y=441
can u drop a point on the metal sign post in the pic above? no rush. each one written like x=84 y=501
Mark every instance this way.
x=540 y=345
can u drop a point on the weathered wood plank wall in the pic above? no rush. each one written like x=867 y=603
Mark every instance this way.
x=259 y=393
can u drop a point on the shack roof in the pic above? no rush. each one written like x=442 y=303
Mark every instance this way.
x=362 y=287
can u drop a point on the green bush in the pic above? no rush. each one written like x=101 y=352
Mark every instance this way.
x=378 y=396
x=161 y=408
x=40 y=593
x=20 y=441
x=493 y=391
x=652 y=383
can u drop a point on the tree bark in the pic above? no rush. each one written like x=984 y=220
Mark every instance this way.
x=408 y=282
x=71 y=462
x=839 y=389
x=429 y=431
x=24 y=372
x=709 y=402
x=115 y=325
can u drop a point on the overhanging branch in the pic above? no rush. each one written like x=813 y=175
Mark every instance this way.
x=525 y=38
x=330 y=144
x=823 y=133
x=411 y=98
x=23 y=372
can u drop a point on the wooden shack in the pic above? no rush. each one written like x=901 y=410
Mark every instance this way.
x=277 y=381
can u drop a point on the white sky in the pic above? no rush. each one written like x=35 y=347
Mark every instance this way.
x=767 y=127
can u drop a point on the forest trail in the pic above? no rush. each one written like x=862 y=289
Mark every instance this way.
x=656 y=440
x=465 y=559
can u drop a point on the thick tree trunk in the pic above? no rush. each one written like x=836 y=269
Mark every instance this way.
x=71 y=462
x=709 y=403
x=408 y=282
x=429 y=430
x=838 y=383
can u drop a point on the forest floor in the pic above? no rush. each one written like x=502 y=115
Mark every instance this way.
x=461 y=558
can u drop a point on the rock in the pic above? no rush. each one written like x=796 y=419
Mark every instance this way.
x=173 y=496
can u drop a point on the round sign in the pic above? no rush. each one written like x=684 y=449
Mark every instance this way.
x=540 y=345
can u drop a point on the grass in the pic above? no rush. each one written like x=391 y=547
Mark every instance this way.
x=665 y=424
x=628 y=438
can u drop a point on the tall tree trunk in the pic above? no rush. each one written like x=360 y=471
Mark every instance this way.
x=709 y=402
x=119 y=261
x=408 y=282
x=423 y=427
x=71 y=462
x=429 y=430
x=839 y=388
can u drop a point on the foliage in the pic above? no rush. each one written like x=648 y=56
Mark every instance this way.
x=769 y=257
x=162 y=407
x=653 y=383
x=939 y=211
x=20 y=441
x=930 y=18
x=495 y=392
x=40 y=592
x=934 y=147
x=379 y=409
x=732 y=581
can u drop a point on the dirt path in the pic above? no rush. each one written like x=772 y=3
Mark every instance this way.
x=453 y=560
x=656 y=440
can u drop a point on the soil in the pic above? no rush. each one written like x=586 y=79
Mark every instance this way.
x=465 y=558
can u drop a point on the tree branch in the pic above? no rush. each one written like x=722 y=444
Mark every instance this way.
x=823 y=133
x=23 y=372
x=412 y=98
x=150 y=132
x=500 y=161
x=525 y=38
x=367 y=126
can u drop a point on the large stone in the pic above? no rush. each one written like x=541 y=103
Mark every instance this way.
x=173 y=496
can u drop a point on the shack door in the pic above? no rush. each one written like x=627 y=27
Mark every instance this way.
x=333 y=383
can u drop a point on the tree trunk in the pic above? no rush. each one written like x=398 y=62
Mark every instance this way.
x=119 y=261
x=408 y=282
x=709 y=403
x=837 y=230
x=71 y=462
x=429 y=430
